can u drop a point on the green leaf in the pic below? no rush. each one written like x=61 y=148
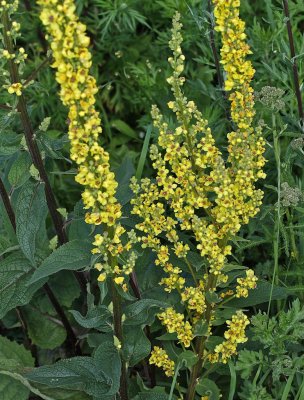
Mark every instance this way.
x=15 y=274
x=12 y=353
x=152 y=396
x=65 y=287
x=142 y=312
x=73 y=256
x=187 y=358
x=248 y=361
x=107 y=356
x=19 y=171
x=124 y=128
x=98 y=318
x=143 y=154
x=97 y=376
x=136 y=346
x=259 y=295
x=31 y=212
x=123 y=175
x=9 y=143
x=43 y=331
x=208 y=388
x=62 y=394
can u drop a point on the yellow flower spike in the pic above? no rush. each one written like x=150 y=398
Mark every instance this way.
x=78 y=89
x=69 y=43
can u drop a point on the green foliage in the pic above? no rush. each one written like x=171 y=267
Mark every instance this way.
x=96 y=376
x=14 y=358
x=31 y=212
x=15 y=275
x=73 y=255
x=280 y=358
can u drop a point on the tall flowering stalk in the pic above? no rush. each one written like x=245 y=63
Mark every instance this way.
x=204 y=193
x=78 y=89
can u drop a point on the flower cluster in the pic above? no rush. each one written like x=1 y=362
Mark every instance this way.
x=234 y=336
x=175 y=322
x=78 y=89
x=161 y=359
x=244 y=284
x=197 y=189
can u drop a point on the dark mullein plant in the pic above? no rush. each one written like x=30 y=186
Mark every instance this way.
x=168 y=277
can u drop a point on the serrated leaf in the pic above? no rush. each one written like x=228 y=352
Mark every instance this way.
x=13 y=353
x=31 y=210
x=247 y=362
x=142 y=312
x=136 y=346
x=98 y=318
x=97 y=376
x=19 y=171
x=72 y=256
x=43 y=331
x=15 y=274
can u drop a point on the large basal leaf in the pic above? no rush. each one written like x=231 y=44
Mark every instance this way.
x=73 y=256
x=260 y=295
x=136 y=346
x=13 y=357
x=97 y=376
x=43 y=331
x=15 y=274
x=31 y=210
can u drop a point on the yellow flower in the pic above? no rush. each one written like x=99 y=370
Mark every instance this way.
x=119 y=280
x=15 y=88
x=102 y=277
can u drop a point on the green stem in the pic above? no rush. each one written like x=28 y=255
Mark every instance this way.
x=117 y=316
x=33 y=147
x=174 y=382
x=276 y=241
x=200 y=346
